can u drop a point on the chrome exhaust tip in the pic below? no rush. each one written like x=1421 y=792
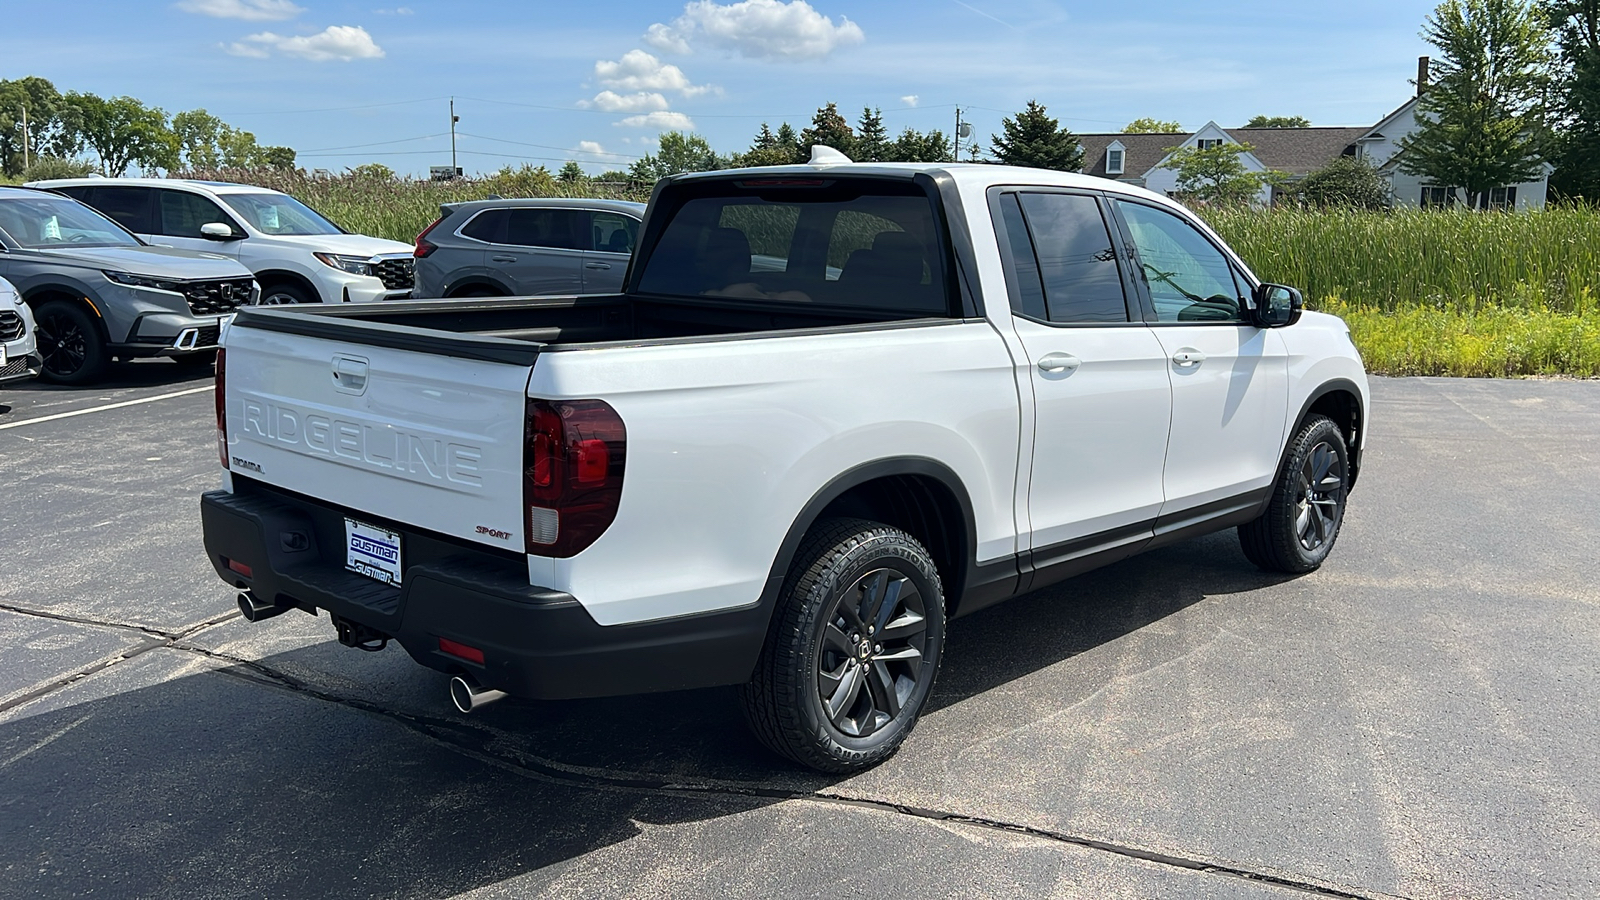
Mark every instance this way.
x=255 y=610
x=468 y=695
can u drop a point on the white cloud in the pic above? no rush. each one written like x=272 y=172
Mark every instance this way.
x=641 y=101
x=599 y=153
x=397 y=11
x=909 y=99
x=249 y=10
x=639 y=71
x=760 y=29
x=340 y=42
x=661 y=120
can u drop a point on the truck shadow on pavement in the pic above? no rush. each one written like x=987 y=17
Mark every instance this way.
x=204 y=778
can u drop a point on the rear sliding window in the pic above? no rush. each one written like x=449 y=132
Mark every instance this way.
x=859 y=243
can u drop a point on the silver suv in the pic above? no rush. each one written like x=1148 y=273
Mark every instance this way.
x=520 y=248
x=98 y=292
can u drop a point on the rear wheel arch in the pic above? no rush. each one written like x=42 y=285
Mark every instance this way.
x=920 y=496
x=467 y=287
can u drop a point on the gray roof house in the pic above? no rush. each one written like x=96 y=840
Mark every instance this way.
x=1137 y=158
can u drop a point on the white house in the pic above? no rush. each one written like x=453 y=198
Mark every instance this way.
x=1138 y=158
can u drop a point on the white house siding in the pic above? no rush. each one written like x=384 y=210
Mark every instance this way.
x=1408 y=191
x=1165 y=181
x=1382 y=144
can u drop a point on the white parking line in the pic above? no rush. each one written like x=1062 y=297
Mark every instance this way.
x=95 y=409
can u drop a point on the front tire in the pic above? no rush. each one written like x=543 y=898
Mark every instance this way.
x=853 y=651
x=284 y=294
x=70 y=342
x=1303 y=518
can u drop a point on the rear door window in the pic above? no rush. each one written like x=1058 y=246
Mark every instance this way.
x=488 y=226
x=561 y=229
x=1077 y=260
x=614 y=232
x=128 y=206
x=858 y=243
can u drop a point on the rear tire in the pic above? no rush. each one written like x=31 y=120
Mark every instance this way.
x=1302 y=519
x=853 y=650
x=71 y=343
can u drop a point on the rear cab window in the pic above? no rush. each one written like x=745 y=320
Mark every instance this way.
x=867 y=244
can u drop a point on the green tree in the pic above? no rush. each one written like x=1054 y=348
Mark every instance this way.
x=199 y=139
x=829 y=129
x=1152 y=126
x=613 y=176
x=1577 y=98
x=1035 y=139
x=278 y=157
x=916 y=146
x=767 y=149
x=1481 y=121
x=1216 y=176
x=43 y=104
x=1346 y=182
x=122 y=131
x=676 y=153
x=787 y=137
x=1278 y=122
x=571 y=173
x=872 y=141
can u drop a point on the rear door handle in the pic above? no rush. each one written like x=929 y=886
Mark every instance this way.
x=597 y=265
x=504 y=258
x=1059 y=362
x=1187 y=357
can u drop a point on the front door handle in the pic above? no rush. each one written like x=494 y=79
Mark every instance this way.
x=597 y=265
x=1059 y=362
x=1187 y=357
x=503 y=258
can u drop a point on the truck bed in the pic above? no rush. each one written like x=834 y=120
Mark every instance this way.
x=514 y=330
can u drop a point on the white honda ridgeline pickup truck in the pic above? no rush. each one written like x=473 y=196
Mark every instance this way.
x=836 y=406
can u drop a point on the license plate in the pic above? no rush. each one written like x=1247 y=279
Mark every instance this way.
x=2 y=356
x=372 y=551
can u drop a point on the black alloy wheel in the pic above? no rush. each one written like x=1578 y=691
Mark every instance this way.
x=871 y=654
x=1304 y=515
x=853 y=649
x=70 y=342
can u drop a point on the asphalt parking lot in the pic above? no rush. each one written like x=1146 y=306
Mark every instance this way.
x=1417 y=719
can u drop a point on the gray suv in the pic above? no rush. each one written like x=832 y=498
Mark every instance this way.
x=97 y=292
x=519 y=248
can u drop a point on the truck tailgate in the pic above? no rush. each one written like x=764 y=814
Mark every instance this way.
x=399 y=434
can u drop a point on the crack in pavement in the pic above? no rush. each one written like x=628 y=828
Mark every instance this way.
x=457 y=736
x=154 y=639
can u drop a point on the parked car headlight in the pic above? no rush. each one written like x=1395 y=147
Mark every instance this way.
x=144 y=281
x=355 y=265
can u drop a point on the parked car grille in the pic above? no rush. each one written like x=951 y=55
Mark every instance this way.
x=10 y=326
x=396 y=274
x=213 y=298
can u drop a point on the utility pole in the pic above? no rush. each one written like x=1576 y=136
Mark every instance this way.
x=956 y=156
x=25 y=162
x=455 y=170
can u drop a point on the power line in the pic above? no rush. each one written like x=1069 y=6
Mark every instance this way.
x=484 y=137
x=296 y=112
x=378 y=143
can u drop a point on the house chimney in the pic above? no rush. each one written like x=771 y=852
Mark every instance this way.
x=1422 y=75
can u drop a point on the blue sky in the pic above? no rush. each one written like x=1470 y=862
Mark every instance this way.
x=542 y=82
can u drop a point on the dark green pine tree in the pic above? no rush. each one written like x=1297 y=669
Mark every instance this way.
x=790 y=141
x=1034 y=139
x=872 y=142
x=829 y=129
x=768 y=149
x=915 y=146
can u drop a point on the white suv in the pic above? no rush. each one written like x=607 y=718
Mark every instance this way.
x=297 y=255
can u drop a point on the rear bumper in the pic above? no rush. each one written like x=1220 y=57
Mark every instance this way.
x=536 y=642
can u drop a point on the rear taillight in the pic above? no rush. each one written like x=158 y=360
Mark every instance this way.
x=425 y=246
x=573 y=455
x=222 y=410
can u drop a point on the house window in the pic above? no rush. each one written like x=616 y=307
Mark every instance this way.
x=1208 y=143
x=1437 y=197
x=1114 y=162
x=1502 y=198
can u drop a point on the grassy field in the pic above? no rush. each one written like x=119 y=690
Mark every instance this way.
x=1425 y=293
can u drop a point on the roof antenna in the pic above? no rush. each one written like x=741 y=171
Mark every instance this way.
x=823 y=155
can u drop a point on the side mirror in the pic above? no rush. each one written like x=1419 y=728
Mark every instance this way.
x=1276 y=306
x=217 y=231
